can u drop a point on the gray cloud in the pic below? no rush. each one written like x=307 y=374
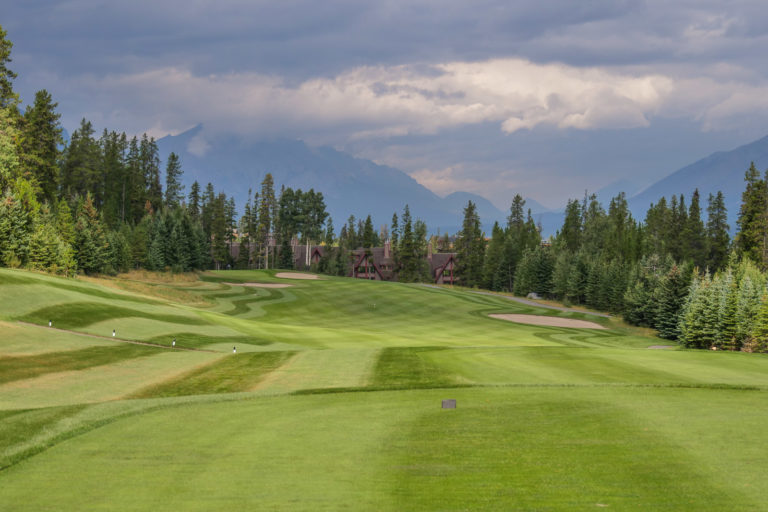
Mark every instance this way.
x=397 y=80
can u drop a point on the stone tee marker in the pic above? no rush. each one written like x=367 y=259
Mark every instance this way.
x=449 y=404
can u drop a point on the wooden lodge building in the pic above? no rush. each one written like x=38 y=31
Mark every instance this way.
x=375 y=263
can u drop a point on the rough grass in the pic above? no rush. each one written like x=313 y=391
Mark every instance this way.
x=240 y=372
x=80 y=314
x=197 y=340
x=27 y=367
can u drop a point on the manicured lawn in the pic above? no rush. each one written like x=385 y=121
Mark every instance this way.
x=332 y=402
x=501 y=449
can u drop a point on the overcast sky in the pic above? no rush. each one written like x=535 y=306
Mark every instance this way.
x=546 y=99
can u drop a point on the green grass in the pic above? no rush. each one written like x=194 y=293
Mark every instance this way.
x=407 y=368
x=197 y=340
x=27 y=367
x=500 y=449
x=231 y=374
x=80 y=314
x=333 y=402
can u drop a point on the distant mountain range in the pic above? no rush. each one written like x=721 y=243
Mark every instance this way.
x=350 y=185
x=723 y=171
x=361 y=187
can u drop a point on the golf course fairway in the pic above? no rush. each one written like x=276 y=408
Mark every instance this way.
x=227 y=392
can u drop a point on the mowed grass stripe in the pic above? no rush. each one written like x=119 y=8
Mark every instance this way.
x=16 y=427
x=17 y=339
x=405 y=368
x=28 y=367
x=6 y=278
x=240 y=372
x=102 y=383
x=554 y=450
x=80 y=314
x=196 y=340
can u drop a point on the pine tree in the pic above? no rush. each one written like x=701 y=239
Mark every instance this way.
x=330 y=236
x=693 y=235
x=80 y=172
x=750 y=239
x=174 y=190
x=15 y=229
x=369 y=236
x=9 y=156
x=194 y=201
x=90 y=241
x=266 y=210
x=570 y=234
x=8 y=98
x=760 y=329
x=718 y=239
x=470 y=248
x=670 y=301
x=492 y=278
x=149 y=158
x=40 y=140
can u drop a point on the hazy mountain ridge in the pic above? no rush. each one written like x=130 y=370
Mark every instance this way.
x=361 y=187
x=720 y=171
x=350 y=185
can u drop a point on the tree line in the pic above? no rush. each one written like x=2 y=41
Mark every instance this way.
x=677 y=271
x=104 y=204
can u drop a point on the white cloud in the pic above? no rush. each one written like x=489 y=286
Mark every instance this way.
x=385 y=101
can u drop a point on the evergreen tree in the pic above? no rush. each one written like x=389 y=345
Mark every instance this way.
x=369 y=235
x=40 y=140
x=492 y=278
x=657 y=229
x=470 y=248
x=266 y=210
x=193 y=206
x=8 y=98
x=570 y=234
x=718 y=239
x=149 y=158
x=174 y=190
x=694 y=236
x=759 y=336
x=90 y=241
x=330 y=236
x=9 y=156
x=750 y=239
x=670 y=301
x=81 y=169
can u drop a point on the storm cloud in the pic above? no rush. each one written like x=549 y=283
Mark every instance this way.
x=405 y=83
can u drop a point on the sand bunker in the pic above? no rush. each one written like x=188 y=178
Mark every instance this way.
x=550 y=321
x=261 y=285
x=295 y=275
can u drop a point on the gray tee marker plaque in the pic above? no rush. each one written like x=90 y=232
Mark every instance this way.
x=449 y=404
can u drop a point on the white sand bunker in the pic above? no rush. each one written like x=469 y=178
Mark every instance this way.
x=549 y=321
x=262 y=285
x=295 y=275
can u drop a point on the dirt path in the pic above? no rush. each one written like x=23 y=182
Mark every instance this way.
x=121 y=340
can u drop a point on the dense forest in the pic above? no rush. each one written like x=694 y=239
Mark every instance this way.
x=105 y=204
